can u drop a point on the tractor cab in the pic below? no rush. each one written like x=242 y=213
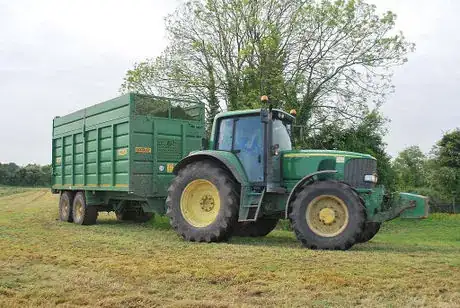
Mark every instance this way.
x=256 y=137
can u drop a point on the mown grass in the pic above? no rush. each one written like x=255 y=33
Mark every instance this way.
x=9 y=190
x=45 y=262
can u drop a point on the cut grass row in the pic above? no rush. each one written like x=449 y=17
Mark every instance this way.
x=45 y=262
x=11 y=190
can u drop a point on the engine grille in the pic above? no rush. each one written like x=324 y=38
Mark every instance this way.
x=356 y=168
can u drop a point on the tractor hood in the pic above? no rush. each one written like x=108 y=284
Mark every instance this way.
x=325 y=153
x=298 y=163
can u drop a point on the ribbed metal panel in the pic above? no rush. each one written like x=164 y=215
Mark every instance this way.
x=356 y=169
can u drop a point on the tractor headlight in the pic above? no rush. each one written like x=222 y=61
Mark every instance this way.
x=371 y=178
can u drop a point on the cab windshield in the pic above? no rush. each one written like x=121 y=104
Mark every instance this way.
x=281 y=135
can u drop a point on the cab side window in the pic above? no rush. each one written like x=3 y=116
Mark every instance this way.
x=225 y=139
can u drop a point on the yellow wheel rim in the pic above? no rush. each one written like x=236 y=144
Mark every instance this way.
x=78 y=210
x=200 y=203
x=327 y=215
x=65 y=208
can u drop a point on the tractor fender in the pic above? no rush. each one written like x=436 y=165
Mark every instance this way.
x=225 y=159
x=300 y=184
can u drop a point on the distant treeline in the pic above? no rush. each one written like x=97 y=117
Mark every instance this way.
x=30 y=175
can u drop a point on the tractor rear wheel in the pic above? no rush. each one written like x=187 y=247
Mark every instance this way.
x=82 y=213
x=65 y=206
x=370 y=230
x=327 y=215
x=261 y=227
x=202 y=203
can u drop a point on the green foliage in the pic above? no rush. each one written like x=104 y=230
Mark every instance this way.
x=410 y=168
x=437 y=176
x=30 y=175
x=448 y=150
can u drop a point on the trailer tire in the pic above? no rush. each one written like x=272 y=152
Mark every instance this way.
x=370 y=230
x=261 y=227
x=202 y=203
x=327 y=215
x=65 y=206
x=82 y=213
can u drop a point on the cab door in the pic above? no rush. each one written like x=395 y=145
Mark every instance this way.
x=243 y=136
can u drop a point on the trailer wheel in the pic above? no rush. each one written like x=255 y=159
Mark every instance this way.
x=327 y=215
x=82 y=213
x=261 y=227
x=65 y=206
x=370 y=230
x=202 y=203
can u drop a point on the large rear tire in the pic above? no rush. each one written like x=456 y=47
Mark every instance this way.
x=82 y=213
x=202 y=203
x=261 y=227
x=65 y=206
x=370 y=230
x=327 y=215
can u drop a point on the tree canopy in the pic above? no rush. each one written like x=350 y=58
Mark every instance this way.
x=437 y=174
x=328 y=59
x=448 y=149
x=30 y=175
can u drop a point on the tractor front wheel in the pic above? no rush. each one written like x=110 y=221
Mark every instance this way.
x=261 y=227
x=202 y=203
x=327 y=215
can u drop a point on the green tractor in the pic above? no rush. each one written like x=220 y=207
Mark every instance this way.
x=250 y=177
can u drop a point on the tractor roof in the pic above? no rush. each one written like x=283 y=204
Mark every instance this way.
x=235 y=113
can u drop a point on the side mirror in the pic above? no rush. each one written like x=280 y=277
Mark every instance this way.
x=276 y=149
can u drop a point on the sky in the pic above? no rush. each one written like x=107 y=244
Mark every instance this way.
x=60 y=56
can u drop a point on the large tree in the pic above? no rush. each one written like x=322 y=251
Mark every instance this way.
x=328 y=59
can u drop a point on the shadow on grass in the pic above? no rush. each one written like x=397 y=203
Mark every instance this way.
x=377 y=247
x=282 y=238
x=278 y=240
x=154 y=224
x=402 y=248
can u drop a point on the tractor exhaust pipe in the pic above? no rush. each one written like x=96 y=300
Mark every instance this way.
x=267 y=118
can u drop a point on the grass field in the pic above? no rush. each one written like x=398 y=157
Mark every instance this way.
x=45 y=262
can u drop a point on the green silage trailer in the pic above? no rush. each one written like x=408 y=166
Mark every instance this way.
x=120 y=154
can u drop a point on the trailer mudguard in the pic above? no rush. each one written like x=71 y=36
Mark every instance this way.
x=226 y=159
